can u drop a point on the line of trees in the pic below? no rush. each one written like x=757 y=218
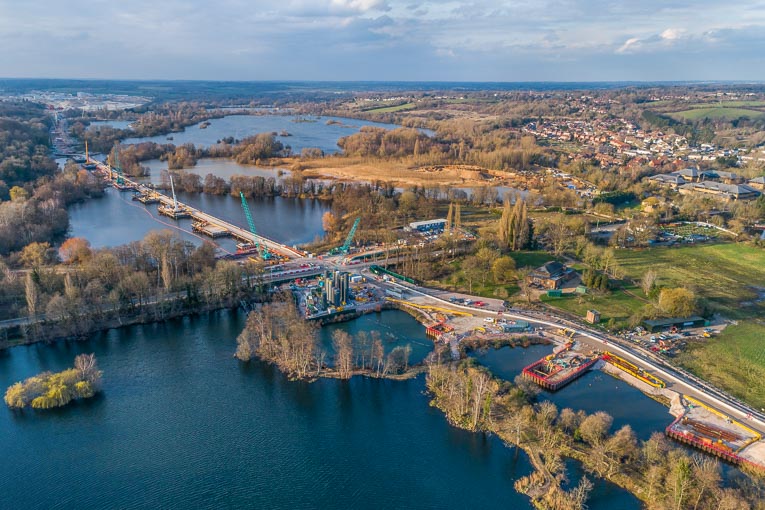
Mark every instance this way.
x=158 y=277
x=516 y=232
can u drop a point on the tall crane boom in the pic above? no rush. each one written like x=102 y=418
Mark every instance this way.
x=261 y=248
x=348 y=240
x=247 y=214
x=172 y=188
x=120 y=180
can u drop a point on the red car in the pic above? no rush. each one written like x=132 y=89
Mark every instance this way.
x=479 y=303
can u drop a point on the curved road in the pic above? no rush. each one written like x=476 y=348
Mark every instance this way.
x=676 y=379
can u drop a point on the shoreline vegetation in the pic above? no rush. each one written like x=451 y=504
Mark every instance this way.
x=154 y=279
x=57 y=389
x=277 y=334
x=661 y=475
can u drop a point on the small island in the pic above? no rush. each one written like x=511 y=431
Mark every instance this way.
x=48 y=390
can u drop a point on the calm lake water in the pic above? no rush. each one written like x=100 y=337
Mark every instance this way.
x=182 y=424
x=116 y=124
x=594 y=391
x=396 y=329
x=115 y=219
x=316 y=133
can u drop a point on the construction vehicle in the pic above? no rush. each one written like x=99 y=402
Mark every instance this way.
x=633 y=370
x=348 y=240
x=259 y=248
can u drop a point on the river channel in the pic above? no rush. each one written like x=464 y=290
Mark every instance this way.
x=115 y=219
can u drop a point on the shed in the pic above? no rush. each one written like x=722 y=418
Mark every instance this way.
x=516 y=327
x=679 y=322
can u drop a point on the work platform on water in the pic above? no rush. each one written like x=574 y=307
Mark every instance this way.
x=177 y=210
x=175 y=213
x=146 y=198
x=209 y=229
x=715 y=433
x=123 y=186
x=559 y=369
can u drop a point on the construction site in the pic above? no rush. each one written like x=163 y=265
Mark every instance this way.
x=560 y=368
x=715 y=433
x=251 y=244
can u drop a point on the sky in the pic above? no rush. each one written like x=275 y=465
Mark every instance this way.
x=386 y=40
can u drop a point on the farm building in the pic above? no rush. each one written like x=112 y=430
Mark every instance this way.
x=654 y=325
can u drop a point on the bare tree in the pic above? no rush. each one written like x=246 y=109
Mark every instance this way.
x=648 y=281
x=343 y=345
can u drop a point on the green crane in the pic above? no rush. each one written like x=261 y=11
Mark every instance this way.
x=348 y=240
x=262 y=249
x=120 y=180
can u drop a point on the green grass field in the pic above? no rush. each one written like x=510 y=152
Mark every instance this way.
x=734 y=360
x=617 y=305
x=721 y=274
x=729 y=104
x=391 y=109
x=716 y=112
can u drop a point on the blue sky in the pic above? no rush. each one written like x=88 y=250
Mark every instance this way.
x=480 y=40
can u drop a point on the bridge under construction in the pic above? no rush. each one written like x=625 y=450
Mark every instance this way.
x=202 y=222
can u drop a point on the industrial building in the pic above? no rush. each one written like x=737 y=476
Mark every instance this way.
x=664 y=324
x=426 y=225
x=336 y=288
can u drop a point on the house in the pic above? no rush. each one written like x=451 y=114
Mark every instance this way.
x=757 y=183
x=551 y=275
x=672 y=180
x=722 y=176
x=690 y=174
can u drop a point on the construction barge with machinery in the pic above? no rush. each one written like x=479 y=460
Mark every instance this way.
x=559 y=368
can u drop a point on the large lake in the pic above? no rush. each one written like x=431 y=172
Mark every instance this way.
x=116 y=219
x=182 y=424
x=311 y=131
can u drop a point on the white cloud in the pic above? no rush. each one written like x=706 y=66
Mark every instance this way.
x=630 y=45
x=672 y=34
x=461 y=39
x=360 y=5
